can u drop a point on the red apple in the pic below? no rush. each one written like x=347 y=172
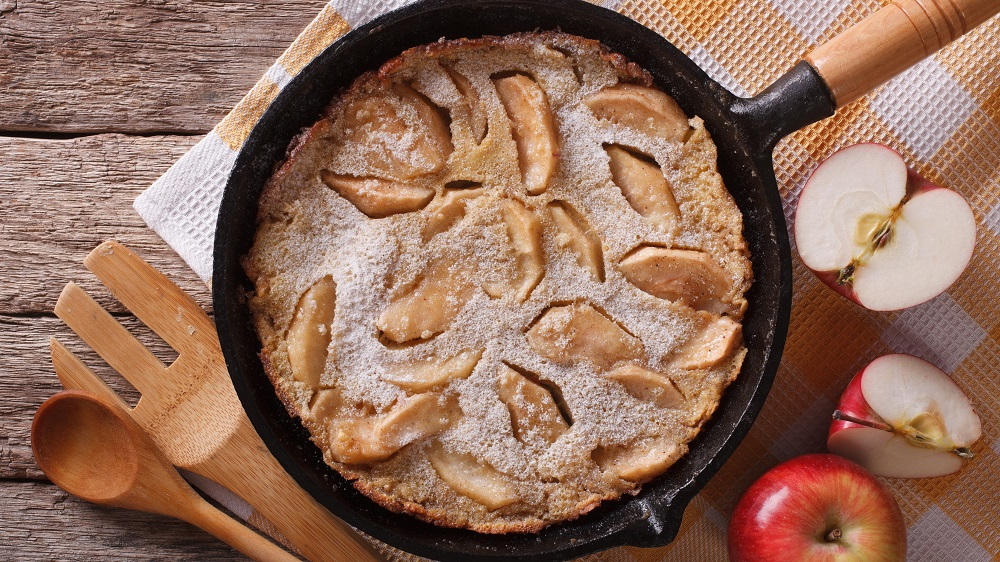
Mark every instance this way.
x=816 y=508
x=878 y=233
x=903 y=417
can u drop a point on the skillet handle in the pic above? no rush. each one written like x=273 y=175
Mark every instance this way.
x=891 y=40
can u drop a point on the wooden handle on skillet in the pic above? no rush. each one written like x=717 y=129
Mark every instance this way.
x=891 y=40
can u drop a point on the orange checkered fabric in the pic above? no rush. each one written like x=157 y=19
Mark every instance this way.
x=943 y=115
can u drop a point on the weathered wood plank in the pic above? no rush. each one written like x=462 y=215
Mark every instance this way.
x=41 y=522
x=61 y=198
x=134 y=65
x=27 y=380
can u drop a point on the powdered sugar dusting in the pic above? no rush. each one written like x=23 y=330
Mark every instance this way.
x=309 y=231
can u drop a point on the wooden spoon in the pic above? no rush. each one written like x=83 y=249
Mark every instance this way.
x=95 y=451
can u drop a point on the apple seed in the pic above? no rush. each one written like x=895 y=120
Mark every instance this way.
x=876 y=233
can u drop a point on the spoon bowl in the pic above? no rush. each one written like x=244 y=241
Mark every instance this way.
x=84 y=448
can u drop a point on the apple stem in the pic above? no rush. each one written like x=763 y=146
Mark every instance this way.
x=838 y=415
x=834 y=535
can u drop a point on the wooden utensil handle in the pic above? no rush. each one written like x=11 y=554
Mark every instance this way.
x=238 y=536
x=891 y=40
x=244 y=465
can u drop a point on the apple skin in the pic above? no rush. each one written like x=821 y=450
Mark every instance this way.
x=788 y=513
x=853 y=403
x=915 y=184
x=888 y=450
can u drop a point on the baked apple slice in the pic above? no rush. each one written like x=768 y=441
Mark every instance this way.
x=576 y=234
x=431 y=373
x=377 y=197
x=688 y=276
x=428 y=308
x=467 y=476
x=478 y=120
x=352 y=441
x=714 y=344
x=532 y=127
x=419 y=416
x=437 y=146
x=326 y=404
x=644 y=187
x=532 y=409
x=372 y=439
x=399 y=145
x=309 y=333
x=648 y=386
x=639 y=462
x=641 y=108
x=445 y=212
x=525 y=233
x=570 y=333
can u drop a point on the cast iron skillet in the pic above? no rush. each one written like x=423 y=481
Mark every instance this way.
x=745 y=131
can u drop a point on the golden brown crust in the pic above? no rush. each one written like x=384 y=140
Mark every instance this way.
x=272 y=313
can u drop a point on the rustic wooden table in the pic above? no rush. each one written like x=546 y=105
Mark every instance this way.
x=97 y=99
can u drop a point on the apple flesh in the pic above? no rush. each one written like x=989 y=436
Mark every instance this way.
x=880 y=234
x=816 y=507
x=903 y=417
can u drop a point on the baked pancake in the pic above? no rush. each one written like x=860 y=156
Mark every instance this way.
x=500 y=281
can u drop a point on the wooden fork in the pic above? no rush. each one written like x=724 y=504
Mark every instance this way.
x=189 y=407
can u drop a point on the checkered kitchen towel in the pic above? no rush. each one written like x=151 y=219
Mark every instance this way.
x=943 y=115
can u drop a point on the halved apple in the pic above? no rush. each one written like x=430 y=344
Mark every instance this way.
x=308 y=335
x=878 y=233
x=532 y=127
x=903 y=417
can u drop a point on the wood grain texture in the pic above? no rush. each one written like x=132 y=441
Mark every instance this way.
x=92 y=448
x=61 y=198
x=121 y=66
x=891 y=40
x=27 y=380
x=136 y=66
x=41 y=522
x=192 y=412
